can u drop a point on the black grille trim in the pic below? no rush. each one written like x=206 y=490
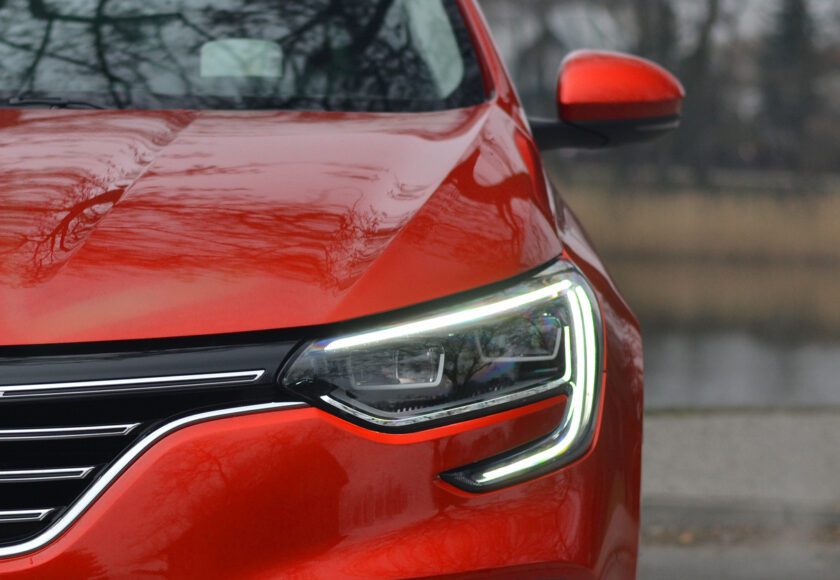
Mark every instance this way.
x=97 y=411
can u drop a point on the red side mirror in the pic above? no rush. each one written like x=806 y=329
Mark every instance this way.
x=608 y=99
x=603 y=87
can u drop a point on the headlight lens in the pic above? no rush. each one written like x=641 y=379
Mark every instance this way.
x=536 y=339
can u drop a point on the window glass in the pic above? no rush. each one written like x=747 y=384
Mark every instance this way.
x=390 y=55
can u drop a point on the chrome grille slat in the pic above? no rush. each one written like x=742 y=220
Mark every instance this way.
x=56 y=433
x=64 y=408
x=129 y=385
x=92 y=493
x=33 y=475
x=24 y=516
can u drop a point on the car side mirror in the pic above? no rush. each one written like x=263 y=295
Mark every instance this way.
x=608 y=99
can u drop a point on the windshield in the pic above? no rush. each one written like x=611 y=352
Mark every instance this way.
x=353 y=55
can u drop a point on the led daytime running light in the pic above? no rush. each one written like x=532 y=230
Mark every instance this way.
x=455 y=319
x=581 y=398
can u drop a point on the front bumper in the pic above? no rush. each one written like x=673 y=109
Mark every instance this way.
x=301 y=493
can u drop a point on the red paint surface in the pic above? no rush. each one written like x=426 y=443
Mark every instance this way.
x=300 y=493
x=122 y=225
x=127 y=225
x=609 y=86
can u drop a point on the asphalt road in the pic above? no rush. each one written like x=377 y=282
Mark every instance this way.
x=769 y=562
x=741 y=495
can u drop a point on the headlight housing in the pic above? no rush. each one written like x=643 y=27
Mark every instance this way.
x=535 y=339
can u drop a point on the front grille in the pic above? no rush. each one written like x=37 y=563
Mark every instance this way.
x=66 y=417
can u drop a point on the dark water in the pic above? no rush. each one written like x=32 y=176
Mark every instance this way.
x=690 y=370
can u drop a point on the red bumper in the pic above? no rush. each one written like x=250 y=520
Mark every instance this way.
x=303 y=494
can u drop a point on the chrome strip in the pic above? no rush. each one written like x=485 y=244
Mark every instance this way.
x=560 y=386
x=66 y=432
x=520 y=359
x=30 y=475
x=138 y=384
x=436 y=383
x=120 y=465
x=23 y=516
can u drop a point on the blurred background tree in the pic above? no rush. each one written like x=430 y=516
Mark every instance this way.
x=728 y=228
x=791 y=70
x=760 y=75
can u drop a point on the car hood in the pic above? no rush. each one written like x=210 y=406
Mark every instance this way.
x=133 y=225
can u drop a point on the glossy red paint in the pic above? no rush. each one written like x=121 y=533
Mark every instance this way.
x=127 y=225
x=301 y=493
x=163 y=221
x=608 y=86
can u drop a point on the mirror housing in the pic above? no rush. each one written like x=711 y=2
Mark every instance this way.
x=609 y=99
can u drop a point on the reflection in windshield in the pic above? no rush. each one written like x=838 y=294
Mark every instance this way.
x=393 y=55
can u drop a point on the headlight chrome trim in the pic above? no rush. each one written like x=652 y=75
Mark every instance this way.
x=436 y=317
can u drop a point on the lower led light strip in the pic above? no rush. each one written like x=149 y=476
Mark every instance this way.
x=580 y=404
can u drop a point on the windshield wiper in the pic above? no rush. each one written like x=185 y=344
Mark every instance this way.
x=53 y=103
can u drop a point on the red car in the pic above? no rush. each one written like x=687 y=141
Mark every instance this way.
x=285 y=292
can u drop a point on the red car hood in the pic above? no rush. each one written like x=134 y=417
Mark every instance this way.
x=128 y=225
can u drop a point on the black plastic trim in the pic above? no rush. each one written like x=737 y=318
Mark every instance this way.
x=552 y=134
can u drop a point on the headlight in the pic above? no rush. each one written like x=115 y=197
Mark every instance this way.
x=536 y=339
